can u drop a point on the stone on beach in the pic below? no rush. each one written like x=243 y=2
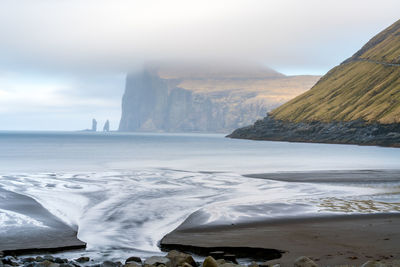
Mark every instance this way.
x=157 y=260
x=304 y=262
x=210 y=262
x=133 y=259
x=9 y=260
x=82 y=259
x=110 y=264
x=47 y=263
x=179 y=258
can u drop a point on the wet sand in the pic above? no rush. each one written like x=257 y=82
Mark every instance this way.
x=47 y=233
x=334 y=240
x=329 y=240
x=339 y=176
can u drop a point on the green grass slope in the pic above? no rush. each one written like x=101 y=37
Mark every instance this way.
x=365 y=86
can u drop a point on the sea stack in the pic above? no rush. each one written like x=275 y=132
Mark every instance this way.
x=357 y=102
x=106 y=127
x=94 y=125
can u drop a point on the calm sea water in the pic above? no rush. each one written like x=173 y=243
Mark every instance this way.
x=73 y=151
x=126 y=191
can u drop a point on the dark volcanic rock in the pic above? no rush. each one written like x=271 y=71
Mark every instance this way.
x=351 y=132
x=82 y=259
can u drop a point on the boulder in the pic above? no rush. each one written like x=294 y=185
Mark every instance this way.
x=134 y=259
x=157 y=261
x=66 y=265
x=373 y=264
x=29 y=259
x=304 y=262
x=179 y=258
x=49 y=258
x=210 y=262
x=82 y=259
x=253 y=264
x=9 y=260
x=47 y=263
x=132 y=264
x=60 y=261
x=110 y=264
x=221 y=261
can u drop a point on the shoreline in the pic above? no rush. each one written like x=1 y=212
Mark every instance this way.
x=355 y=132
x=39 y=231
x=332 y=176
x=328 y=240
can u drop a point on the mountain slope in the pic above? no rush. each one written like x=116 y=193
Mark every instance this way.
x=204 y=98
x=365 y=86
x=357 y=102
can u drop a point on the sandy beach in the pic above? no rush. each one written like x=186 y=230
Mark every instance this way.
x=331 y=239
x=327 y=240
x=38 y=231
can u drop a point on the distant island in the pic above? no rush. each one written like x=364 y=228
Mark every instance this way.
x=178 y=97
x=357 y=102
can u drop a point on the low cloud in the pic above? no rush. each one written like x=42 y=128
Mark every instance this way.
x=63 y=62
x=120 y=35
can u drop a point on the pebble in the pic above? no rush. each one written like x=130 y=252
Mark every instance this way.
x=304 y=262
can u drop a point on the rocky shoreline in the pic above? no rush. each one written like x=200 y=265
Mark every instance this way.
x=351 y=132
x=174 y=258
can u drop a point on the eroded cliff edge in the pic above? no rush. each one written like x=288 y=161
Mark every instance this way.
x=167 y=99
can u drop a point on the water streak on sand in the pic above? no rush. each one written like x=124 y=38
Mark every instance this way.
x=136 y=209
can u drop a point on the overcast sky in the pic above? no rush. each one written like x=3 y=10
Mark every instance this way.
x=63 y=62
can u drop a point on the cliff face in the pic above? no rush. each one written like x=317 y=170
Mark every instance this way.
x=196 y=100
x=357 y=102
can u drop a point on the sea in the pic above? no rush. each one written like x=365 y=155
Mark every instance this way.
x=122 y=192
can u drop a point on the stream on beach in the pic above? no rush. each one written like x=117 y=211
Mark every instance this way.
x=123 y=192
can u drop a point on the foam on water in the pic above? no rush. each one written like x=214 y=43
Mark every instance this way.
x=136 y=209
x=140 y=187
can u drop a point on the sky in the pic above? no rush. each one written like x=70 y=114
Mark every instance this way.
x=64 y=62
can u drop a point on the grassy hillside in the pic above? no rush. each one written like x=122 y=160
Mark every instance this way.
x=365 y=86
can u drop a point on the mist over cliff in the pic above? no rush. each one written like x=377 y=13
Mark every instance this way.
x=206 y=98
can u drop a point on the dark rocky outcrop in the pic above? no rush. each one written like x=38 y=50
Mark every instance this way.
x=352 y=132
x=357 y=102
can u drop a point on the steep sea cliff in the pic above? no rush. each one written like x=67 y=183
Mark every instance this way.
x=170 y=100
